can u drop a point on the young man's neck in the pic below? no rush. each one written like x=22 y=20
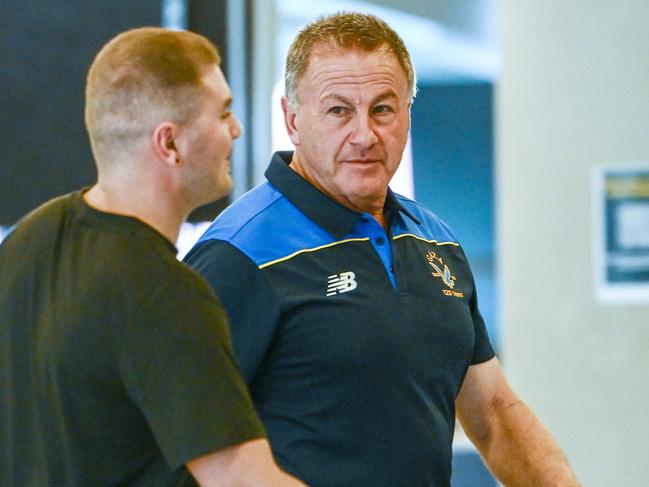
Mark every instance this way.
x=141 y=202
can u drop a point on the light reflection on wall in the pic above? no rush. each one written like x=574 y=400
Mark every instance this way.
x=4 y=231
x=174 y=14
x=189 y=234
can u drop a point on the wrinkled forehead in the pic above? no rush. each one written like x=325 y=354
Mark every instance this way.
x=328 y=63
x=326 y=50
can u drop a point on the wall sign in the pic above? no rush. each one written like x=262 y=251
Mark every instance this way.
x=621 y=225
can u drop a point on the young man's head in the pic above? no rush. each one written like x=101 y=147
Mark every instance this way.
x=141 y=77
x=163 y=91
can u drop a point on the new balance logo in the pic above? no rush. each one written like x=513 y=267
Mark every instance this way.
x=342 y=283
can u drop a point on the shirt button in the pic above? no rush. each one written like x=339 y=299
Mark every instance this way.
x=379 y=240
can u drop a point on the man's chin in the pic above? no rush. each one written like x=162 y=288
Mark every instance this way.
x=364 y=187
x=224 y=187
x=215 y=192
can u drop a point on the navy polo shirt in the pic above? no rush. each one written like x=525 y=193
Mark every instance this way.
x=354 y=341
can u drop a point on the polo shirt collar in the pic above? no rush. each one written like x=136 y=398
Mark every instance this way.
x=320 y=208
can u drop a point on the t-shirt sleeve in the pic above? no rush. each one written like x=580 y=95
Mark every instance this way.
x=177 y=364
x=250 y=303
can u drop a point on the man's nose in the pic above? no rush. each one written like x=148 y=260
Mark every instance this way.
x=235 y=128
x=363 y=133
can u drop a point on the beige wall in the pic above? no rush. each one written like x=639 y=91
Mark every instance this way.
x=574 y=94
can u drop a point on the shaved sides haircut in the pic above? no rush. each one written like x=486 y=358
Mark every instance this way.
x=140 y=78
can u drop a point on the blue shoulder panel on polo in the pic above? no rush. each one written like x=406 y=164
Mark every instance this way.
x=259 y=225
x=422 y=223
x=266 y=225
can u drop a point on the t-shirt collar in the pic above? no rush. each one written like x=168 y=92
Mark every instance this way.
x=324 y=211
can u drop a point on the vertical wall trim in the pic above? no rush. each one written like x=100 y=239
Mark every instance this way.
x=174 y=14
x=237 y=75
x=263 y=75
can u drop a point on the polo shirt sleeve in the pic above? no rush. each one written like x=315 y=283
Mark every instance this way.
x=250 y=303
x=482 y=348
x=176 y=362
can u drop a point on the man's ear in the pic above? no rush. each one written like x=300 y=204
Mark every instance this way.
x=163 y=143
x=290 y=122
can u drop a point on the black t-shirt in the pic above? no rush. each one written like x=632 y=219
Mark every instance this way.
x=115 y=359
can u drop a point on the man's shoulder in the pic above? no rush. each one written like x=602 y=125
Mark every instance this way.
x=428 y=225
x=157 y=280
x=257 y=207
x=263 y=225
x=51 y=210
x=40 y=223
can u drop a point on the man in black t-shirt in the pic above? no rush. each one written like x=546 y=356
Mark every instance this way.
x=116 y=365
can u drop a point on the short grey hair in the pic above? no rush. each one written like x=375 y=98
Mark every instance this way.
x=345 y=30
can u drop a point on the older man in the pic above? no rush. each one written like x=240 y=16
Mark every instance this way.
x=353 y=310
x=116 y=365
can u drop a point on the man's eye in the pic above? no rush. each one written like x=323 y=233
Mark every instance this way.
x=337 y=110
x=226 y=115
x=383 y=109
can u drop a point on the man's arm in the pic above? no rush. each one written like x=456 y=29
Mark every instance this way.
x=247 y=464
x=515 y=445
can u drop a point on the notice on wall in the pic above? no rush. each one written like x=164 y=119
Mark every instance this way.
x=621 y=225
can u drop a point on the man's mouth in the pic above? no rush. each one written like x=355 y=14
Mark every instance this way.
x=361 y=161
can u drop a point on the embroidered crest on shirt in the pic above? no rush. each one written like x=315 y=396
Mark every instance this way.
x=441 y=270
x=341 y=283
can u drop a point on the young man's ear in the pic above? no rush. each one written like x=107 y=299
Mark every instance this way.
x=163 y=142
x=290 y=122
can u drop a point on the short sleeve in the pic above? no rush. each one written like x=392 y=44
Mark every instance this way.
x=177 y=363
x=482 y=349
x=250 y=303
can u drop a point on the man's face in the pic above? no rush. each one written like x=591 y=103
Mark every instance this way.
x=207 y=141
x=352 y=124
